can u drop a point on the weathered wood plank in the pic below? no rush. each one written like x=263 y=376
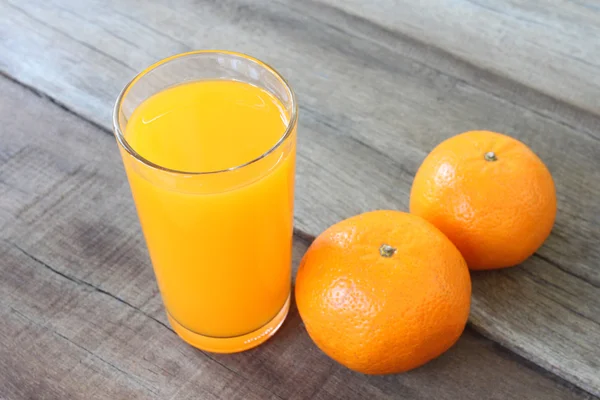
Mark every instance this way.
x=81 y=315
x=552 y=46
x=373 y=102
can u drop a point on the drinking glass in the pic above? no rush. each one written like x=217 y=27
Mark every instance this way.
x=220 y=242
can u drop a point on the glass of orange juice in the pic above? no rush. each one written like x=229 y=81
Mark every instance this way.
x=208 y=141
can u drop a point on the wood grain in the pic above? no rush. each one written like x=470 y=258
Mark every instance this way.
x=81 y=314
x=551 y=46
x=374 y=101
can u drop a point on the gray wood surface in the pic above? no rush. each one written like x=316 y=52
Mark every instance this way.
x=379 y=85
x=81 y=313
x=552 y=46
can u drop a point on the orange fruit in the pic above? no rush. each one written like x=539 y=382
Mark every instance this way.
x=490 y=194
x=383 y=292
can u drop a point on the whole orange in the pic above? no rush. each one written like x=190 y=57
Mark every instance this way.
x=383 y=292
x=490 y=194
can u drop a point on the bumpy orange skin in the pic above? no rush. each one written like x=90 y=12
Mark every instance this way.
x=498 y=213
x=379 y=315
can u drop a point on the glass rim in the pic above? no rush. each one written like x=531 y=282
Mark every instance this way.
x=123 y=142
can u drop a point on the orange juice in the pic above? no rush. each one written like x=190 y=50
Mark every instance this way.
x=220 y=242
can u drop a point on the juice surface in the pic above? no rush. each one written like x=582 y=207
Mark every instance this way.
x=222 y=257
x=206 y=125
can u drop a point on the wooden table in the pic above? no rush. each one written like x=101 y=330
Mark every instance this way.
x=380 y=83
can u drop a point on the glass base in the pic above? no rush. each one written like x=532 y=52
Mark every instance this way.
x=231 y=344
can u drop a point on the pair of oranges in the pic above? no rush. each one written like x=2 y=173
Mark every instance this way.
x=387 y=291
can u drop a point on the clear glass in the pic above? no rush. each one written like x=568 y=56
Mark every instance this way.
x=220 y=241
